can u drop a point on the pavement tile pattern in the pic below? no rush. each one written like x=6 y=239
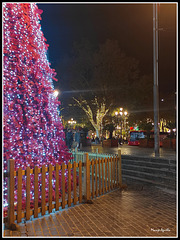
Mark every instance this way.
x=138 y=211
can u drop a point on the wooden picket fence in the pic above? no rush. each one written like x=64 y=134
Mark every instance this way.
x=99 y=176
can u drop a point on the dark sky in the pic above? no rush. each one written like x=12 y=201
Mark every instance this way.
x=130 y=24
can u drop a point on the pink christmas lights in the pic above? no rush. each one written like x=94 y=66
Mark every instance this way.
x=33 y=130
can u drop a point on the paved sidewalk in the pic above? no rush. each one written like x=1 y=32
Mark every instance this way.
x=138 y=211
x=133 y=150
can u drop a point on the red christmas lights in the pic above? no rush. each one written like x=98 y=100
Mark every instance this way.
x=33 y=131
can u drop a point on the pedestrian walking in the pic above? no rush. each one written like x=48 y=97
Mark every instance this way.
x=69 y=138
x=120 y=140
x=77 y=138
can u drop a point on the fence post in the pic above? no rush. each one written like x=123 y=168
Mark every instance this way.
x=10 y=192
x=75 y=154
x=87 y=176
x=120 y=169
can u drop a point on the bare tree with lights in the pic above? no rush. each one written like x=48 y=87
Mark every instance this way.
x=101 y=78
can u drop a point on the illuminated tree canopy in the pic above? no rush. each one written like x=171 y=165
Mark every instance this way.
x=100 y=78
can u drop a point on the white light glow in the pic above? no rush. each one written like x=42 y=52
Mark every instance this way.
x=56 y=93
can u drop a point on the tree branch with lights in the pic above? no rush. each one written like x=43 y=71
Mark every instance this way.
x=100 y=78
x=96 y=119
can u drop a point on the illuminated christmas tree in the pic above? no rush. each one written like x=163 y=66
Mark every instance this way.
x=33 y=130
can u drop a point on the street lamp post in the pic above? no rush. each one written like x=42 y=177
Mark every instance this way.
x=123 y=116
x=72 y=122
x=155 y=87
x=121 y=113
x=125 y=126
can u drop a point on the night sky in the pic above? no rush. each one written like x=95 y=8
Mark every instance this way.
x=130 y=24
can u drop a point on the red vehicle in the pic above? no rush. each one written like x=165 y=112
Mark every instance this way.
x=135 y=136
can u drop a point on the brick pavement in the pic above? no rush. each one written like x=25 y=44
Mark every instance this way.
x=136 y=211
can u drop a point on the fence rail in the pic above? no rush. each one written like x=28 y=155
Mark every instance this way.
x=100 y=176
x=79 y=155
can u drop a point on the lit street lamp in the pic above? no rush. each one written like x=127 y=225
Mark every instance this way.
x=123 y=117
x=72 y=122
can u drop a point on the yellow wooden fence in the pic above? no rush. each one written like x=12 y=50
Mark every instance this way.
x=100 y=176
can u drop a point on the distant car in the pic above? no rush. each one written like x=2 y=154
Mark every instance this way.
x=136 y=135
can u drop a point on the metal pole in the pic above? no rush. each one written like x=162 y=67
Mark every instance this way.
x=155 y=87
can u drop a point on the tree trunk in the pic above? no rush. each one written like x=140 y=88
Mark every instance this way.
x=101 y=112
x=110 y=136
x=97 y=133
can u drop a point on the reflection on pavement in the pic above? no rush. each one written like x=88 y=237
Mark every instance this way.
x=132 y=150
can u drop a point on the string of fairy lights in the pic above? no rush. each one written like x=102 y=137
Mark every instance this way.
x=33 y=131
